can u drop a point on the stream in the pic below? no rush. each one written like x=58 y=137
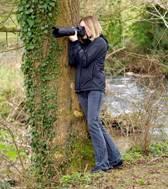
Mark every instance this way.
x=128 y=94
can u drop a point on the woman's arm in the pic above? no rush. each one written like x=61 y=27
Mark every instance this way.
x=72 y=39
x=71 y=50
x=86 y=56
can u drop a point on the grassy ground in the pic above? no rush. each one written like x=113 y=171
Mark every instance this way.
x=147 y=174
x=151 y=174
x=139 y=172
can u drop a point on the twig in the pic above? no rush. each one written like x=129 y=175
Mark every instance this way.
x=5 y=29
x=114 y=52
x=12 y=20
x=144 y=57
x=5 y=124
x=12 y=49
x=2 y=156
x=161 y=16
x=1 y=23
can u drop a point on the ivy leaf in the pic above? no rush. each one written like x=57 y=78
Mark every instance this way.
x=29 y=11
x=50 y=14
x=30 y=46
x=52 y=4
x=30 y=22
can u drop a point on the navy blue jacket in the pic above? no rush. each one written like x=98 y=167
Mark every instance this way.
x=88 y=59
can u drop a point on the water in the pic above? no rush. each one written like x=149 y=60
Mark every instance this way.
x=123 y=94
x=126 y=95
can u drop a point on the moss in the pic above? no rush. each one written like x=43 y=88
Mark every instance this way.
x=79 y=155
x=82 y=155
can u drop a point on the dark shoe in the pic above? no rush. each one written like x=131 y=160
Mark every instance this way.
x=95 y=170
x=119 y=165
x=98 y=170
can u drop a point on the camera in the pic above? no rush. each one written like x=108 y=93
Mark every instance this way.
x=67 y=31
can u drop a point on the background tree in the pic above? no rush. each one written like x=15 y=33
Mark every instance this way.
x=58 y=138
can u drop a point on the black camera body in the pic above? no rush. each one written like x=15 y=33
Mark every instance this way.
x=67 y=31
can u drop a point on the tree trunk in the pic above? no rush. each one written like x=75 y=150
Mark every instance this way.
x=59 y=137
x=75 y=151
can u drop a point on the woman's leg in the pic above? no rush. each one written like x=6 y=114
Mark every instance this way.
x=83 y=101
x=98 y=141
x=114 y=155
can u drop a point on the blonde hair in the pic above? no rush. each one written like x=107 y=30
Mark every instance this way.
x=93 y=25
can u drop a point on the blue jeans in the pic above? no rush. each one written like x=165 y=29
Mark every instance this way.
x=106 y=152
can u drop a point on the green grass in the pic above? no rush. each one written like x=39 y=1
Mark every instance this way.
x=76 y=179
x=155 y=149
x=159 y=149
x=133 y=155
x=7 y=147
x=11 y=93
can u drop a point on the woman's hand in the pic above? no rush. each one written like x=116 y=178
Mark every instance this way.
x=74 y=37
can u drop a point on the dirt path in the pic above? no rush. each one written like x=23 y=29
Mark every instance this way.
x=151 y=174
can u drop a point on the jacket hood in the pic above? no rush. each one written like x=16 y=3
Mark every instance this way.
x=101 y=35
x=87 y=41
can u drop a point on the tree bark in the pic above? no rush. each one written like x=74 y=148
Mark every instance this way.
x=71 y=132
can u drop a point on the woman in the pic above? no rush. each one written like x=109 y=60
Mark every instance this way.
x=87 y=55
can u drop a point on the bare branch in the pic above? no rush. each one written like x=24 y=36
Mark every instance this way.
x=114 y=52
x=13 y=49
x=161 y=16
x=13 y=30
x=5 y=125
